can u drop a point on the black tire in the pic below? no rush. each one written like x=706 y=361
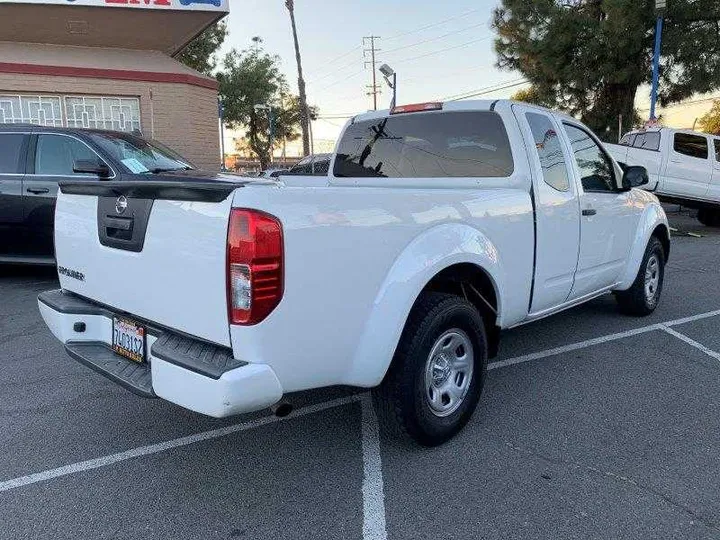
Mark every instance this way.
x=709 y=217
x=401 y=398
x=636 y=300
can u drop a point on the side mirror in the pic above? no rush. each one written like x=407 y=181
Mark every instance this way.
x=635 y=176
x=91 y=166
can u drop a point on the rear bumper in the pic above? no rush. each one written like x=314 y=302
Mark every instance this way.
x=196 y=375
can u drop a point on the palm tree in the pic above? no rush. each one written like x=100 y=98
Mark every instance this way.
x=290 y=5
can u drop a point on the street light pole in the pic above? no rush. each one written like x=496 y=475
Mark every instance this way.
x=660 y=6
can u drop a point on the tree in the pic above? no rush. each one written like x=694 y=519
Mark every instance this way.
x=589 y=57
x=252 y=77
x=531 y=95
x=290 y=5
x=199 y=54
x=710 y=123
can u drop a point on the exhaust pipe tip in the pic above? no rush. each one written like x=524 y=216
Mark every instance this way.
x=281 y=410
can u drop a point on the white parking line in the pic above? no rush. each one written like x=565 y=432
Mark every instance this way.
x=374 y=524
x=604 y=339
x=90 y=464
x=692 y=342
x=372 y=489
x=573 y=347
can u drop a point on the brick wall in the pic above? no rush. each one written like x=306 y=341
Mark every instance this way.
x=182 y=116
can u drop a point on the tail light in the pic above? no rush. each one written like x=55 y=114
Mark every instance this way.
x=254 y=266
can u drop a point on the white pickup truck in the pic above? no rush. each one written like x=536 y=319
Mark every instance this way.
x=683 y=167
x=438 y=226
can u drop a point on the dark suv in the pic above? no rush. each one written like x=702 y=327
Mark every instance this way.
x=33 y=159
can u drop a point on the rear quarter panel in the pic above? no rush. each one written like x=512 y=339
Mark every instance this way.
x=357 y=256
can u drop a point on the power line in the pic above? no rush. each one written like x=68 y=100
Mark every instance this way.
x=374 y=89
x=433 y=25
x=435 y=38
x=484 y=91
x=339 y=81
x=441 y=50
x=334 y=60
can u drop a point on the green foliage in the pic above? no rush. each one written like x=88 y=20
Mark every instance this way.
x=251 y=77
x=710 y=123
x=589 y=57
x=200 y=52
x=532 y=95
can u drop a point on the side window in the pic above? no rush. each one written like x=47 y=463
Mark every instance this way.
x=717 y=149
x=628 y=139
x=648 y=141
x=547 y=144
x=691 y=145
x=56 y=154
x=426 y=145
x=10 y=153
x=596 y=168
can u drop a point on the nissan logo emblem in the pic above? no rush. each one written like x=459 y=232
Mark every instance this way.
x=121 y=204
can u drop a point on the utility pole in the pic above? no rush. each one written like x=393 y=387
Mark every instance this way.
x=374 y=89
x=304 y=109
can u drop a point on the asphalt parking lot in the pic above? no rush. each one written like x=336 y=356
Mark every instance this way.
x=592 y=425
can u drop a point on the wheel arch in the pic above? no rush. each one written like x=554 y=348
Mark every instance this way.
x=653 y=223
x=437 y=260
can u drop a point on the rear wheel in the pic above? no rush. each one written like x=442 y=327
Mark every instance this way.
x=643 y=297
x=436 y=377
x=709 y=217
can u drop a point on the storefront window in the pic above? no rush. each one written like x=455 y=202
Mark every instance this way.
x=116 y=113
x=98 y=112
x=41 y=110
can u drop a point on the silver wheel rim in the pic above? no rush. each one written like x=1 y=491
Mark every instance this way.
x=448 y=372
x=652 y=278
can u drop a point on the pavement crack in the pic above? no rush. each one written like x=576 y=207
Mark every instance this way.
x=618 y=478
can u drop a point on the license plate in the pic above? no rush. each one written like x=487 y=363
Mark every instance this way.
x=128 y=339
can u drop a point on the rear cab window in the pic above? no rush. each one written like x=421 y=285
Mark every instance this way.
x=628 y=139
x=647 y=141
x=717 y=149
x=691 y=145
x=457 y=144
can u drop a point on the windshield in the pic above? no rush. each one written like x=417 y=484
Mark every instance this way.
x=138 y=155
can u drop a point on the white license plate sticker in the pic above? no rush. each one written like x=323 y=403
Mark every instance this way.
x=128 y=339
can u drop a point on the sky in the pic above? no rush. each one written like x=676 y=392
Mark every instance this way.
x=438 y=49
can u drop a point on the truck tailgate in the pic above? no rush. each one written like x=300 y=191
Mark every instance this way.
x=158 y=259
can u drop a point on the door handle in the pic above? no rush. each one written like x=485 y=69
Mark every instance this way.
x=589 y=212
x=37 y=191
x=675 y=161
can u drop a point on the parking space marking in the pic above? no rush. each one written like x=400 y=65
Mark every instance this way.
x=692 y=342
x=374 y=527
x=572 y=347
x=604 y=339
x=692 y=318
x=104 y=461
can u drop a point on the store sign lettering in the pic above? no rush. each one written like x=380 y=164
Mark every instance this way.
x=146 y=2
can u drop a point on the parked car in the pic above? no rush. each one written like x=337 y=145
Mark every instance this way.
x=440 y=225
x=33 y=159
x=683 y=165
x=313 y=165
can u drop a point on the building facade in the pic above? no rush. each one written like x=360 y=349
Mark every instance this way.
x=104 y=64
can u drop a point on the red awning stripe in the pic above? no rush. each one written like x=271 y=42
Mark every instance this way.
x=116 y=74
